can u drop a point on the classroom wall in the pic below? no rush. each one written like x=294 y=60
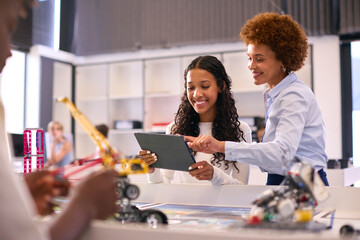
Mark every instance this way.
x=327 y=89
x=37 y=95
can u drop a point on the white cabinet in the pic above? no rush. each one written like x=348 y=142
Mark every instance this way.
x=107 y=93
x=160 y=111
x=126 y=92
x=62 y=86
x=248 y=96
x=91 y=82
x=163 y=77
x=235 y=64
x=163 y=88
x=126 y=80
x=91 y=94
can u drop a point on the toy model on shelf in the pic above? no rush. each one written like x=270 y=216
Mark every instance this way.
x=292 y=205
x=124 y=166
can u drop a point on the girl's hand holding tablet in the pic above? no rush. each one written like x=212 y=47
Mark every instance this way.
x=202 y=170
x=149 y=158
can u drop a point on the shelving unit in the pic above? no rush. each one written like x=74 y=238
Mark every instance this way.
x=149 y=90
x=163 y=84
x=248 y=96
x=91 y=98
x=62 y=87
x=163 y=76
x=125 y=80
x=125 y=92
x=236 y=66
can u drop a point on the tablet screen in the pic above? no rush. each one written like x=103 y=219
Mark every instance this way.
x=171 y=150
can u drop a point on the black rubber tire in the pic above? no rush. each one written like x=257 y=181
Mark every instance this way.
x=132 y=192
x=149 y=216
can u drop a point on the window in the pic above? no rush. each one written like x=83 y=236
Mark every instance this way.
x=12 y=92
x=355 y=76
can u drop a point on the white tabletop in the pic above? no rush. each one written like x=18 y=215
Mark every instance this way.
x=345 y=200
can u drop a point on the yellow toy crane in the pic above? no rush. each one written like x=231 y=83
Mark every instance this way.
x=125 y=191
x=108 y=154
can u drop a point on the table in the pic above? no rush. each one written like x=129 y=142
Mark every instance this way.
x=345 y=200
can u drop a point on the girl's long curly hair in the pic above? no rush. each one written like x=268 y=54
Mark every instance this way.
x=226 y=125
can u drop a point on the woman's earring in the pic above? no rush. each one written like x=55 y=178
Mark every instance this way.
x=283 y=69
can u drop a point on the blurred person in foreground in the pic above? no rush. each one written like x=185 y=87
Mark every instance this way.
x=93 y=198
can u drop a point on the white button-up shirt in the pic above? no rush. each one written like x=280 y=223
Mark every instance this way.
x=294 y=129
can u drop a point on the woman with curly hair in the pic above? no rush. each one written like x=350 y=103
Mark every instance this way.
x=207 y=108
x=276 y=48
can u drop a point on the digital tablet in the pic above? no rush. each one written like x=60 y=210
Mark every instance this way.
x=172 y=151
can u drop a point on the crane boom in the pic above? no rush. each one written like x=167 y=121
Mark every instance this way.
x=109 y=155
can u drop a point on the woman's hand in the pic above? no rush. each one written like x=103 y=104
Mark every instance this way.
x=149 y=158
x=43 y=186
x=202 y=170
x=94 y=197
x=205 y=143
